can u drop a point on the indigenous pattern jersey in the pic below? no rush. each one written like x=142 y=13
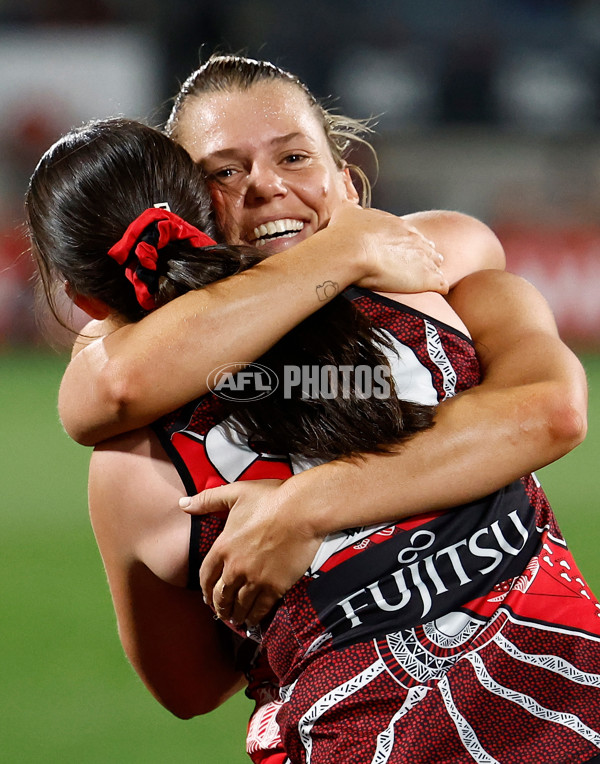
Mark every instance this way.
x=460 y=636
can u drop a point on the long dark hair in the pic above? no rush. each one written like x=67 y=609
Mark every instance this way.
x=82 y=196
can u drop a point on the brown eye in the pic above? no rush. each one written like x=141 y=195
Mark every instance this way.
x=294 y=158
x=227 y=172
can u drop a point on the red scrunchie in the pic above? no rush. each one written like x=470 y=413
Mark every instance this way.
x=170 y=228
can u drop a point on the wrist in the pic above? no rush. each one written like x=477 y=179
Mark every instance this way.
x=317 y=498
x=345 y=259
x=303 y=501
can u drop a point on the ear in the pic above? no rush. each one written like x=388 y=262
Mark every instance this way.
x=351 y=192
x=94 y=307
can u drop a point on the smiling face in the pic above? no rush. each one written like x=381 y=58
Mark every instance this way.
x=272 y=176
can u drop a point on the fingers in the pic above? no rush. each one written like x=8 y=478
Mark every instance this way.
x=209 y=500
x=231 y=601
x=438 y=281
x=427 y=245
x=234 y=601
x=420 y=263
x=211 y=571
x=247 y=605
x=252 y=604
x=243 y=604
x=223 y=599
x=263 y=604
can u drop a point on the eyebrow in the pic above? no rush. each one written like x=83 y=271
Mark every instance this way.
x=279 y=140
x=290 y=137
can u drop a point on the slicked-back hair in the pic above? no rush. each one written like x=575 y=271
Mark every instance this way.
x=228 y=73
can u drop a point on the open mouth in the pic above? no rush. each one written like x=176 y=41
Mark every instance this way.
x=276 y=229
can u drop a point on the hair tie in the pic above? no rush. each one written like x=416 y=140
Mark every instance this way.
x=149 y=232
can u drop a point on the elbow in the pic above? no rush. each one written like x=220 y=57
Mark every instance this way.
x=552 y=421
x=566 y=420
x=196 y=695
x=110 y=396
x=185 y=712
x=76 y=430
x=186 y=708
x=568 y=426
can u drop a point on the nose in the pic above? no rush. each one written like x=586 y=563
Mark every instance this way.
x=263 y=184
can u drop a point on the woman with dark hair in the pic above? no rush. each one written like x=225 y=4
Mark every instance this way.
x=430 y=624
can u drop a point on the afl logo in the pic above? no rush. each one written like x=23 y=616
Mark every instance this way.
x=242 y=382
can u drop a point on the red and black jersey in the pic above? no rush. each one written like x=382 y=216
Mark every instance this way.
x=460 y=636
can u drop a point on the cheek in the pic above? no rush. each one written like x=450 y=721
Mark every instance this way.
x=319 y=191
x=329 y=187
x=328 y=195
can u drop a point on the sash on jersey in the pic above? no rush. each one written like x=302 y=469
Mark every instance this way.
x=420 y=574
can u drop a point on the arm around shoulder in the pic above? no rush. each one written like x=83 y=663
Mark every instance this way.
x=529 y=410
x=141 y=371
x=519 y=347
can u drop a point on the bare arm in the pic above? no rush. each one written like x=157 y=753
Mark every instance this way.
x=529 y=411
x=168 y=633
x=144 y=370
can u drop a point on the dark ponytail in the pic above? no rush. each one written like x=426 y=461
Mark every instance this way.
x=86 y=190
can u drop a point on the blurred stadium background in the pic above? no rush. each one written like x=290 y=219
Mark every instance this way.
x=491 y=107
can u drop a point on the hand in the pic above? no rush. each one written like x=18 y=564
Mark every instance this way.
x=262 y=551
x=397 y=257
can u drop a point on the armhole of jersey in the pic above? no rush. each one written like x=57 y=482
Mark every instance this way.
x=353 y=292
x=193 y=581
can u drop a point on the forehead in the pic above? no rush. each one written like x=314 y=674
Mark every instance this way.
x=244 y=120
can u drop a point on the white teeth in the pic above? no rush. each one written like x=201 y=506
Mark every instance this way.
x=286 y=226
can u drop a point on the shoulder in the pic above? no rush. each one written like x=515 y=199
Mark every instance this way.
x=504 y=312
x=92 y=331
x=131 y=461
x=134 y=490
x=498 y=293
x=449 y=222
x=467 y=243
x=429 y=305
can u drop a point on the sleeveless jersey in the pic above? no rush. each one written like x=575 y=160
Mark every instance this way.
x=459 y=636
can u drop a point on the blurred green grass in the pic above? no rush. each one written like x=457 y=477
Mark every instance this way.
x=68 y=694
